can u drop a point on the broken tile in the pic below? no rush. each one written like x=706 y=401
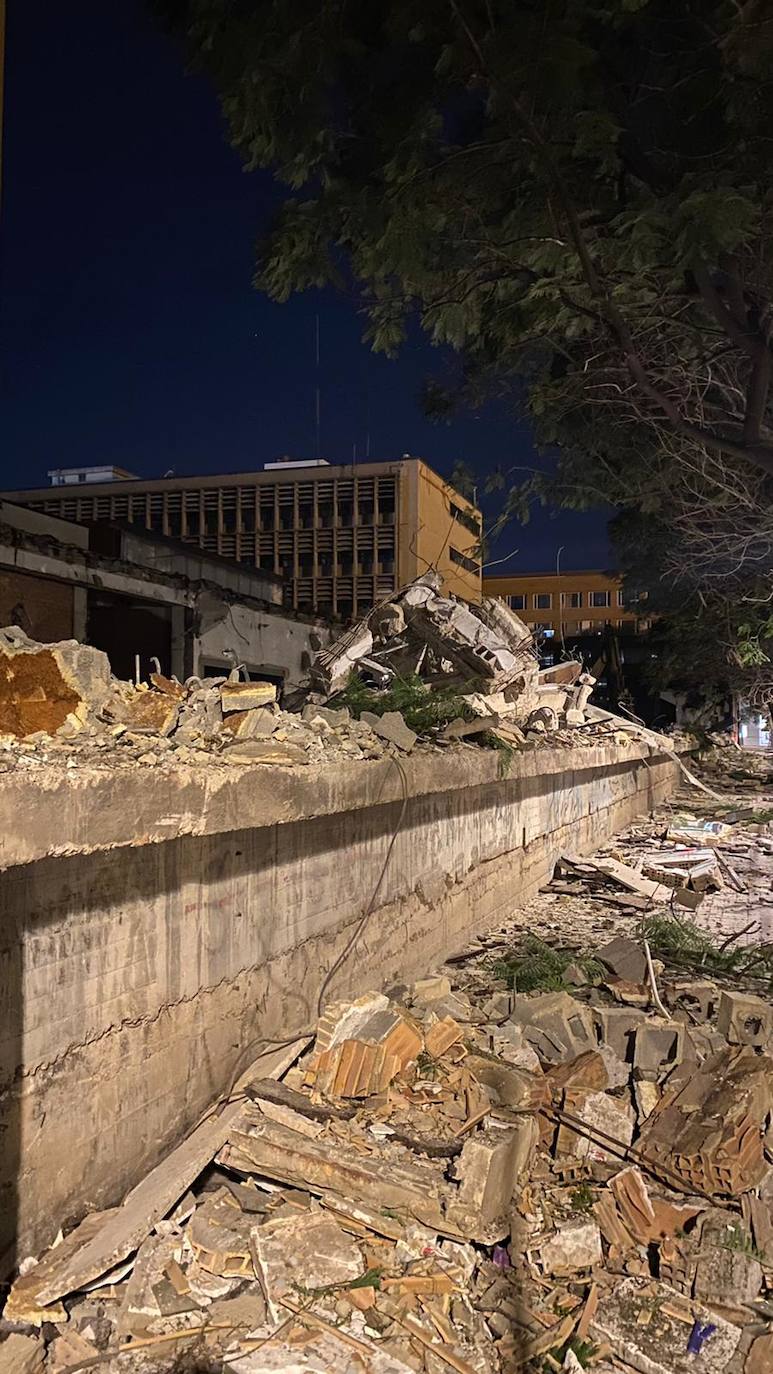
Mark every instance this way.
x=598 y=1111
x=391 y=727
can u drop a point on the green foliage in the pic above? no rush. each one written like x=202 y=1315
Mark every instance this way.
x=574 y=203
x=422 y=708
x=581 y=1198
x=538 y=967
x=684 y=944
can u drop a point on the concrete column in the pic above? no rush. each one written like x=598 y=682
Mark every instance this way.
x=177 y=646
x=79 y=609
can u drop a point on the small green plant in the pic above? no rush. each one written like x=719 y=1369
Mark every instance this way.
x=584 y=1350
x=371 y=1279
x=421 y=707
x=538 y=967
x=739 y=1242
x=581 y=1198
x=681 y=942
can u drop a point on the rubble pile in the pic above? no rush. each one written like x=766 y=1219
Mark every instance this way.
x=464 y=677
x=459 y=1175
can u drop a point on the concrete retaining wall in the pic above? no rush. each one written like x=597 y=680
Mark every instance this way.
x=187 y=914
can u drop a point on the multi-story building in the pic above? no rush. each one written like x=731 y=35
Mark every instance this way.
x=582 y=603
x=341 y=538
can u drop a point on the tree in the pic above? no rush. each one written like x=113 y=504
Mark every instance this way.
x=547 y=185
x=575 y=195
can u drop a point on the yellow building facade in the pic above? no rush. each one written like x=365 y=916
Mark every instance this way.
x=340 y=537
x=580 y=602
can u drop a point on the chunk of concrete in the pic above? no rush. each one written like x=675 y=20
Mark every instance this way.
x=576 y=1246
x=42 y=684
x=636 y=1319
x=508 y=1043
x=256 y=724
x=303 y=1251
x=428 y=990
x=744 y=1019
x=246 y=696
x=392 y=727
x=600 y=1112
x=728 y=1272
x=487 y=1170
x=658 y=1046
x=332 y=717
x=625 y=959
x=695 y=999
x=22 y=1354
x=617 y=1027
x=556 y=1025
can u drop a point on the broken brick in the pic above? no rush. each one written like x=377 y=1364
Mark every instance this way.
x=556 y=1025
x=658 y=1046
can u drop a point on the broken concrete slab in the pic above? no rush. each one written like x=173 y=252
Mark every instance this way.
x=103 y=1239
x=246 y=696
x=601 y=1112
x=576 y=1246
x=649 y=1326
x=21 y=1354
x=392 y=727
x=727 y=1271
x=258 y=724
x=625 y=959
x=488 y=1170
x=302 y=1252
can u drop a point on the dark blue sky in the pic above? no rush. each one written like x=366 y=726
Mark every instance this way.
x=129 y=329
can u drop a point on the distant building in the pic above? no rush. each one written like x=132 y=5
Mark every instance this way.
x=139 y=596
x=582 y=602
x=340 y=538
x=72 y=477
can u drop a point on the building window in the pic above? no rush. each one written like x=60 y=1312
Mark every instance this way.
x=463 y=561
x=573 y=600
x=585 y=625
x=543 y=601
x=643 y=626
x=516 y=602
x=620 y=597
x=470 y=522
x=600 y=598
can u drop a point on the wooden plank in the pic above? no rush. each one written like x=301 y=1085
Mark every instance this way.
x=124 y=1228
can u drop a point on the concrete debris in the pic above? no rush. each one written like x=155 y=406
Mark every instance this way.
x=60 y=704
x=458 y=1175
x=576 y=1246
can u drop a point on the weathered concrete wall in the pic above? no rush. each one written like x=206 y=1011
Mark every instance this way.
x=188 y=914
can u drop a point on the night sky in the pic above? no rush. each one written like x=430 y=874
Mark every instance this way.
x=129 y=329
